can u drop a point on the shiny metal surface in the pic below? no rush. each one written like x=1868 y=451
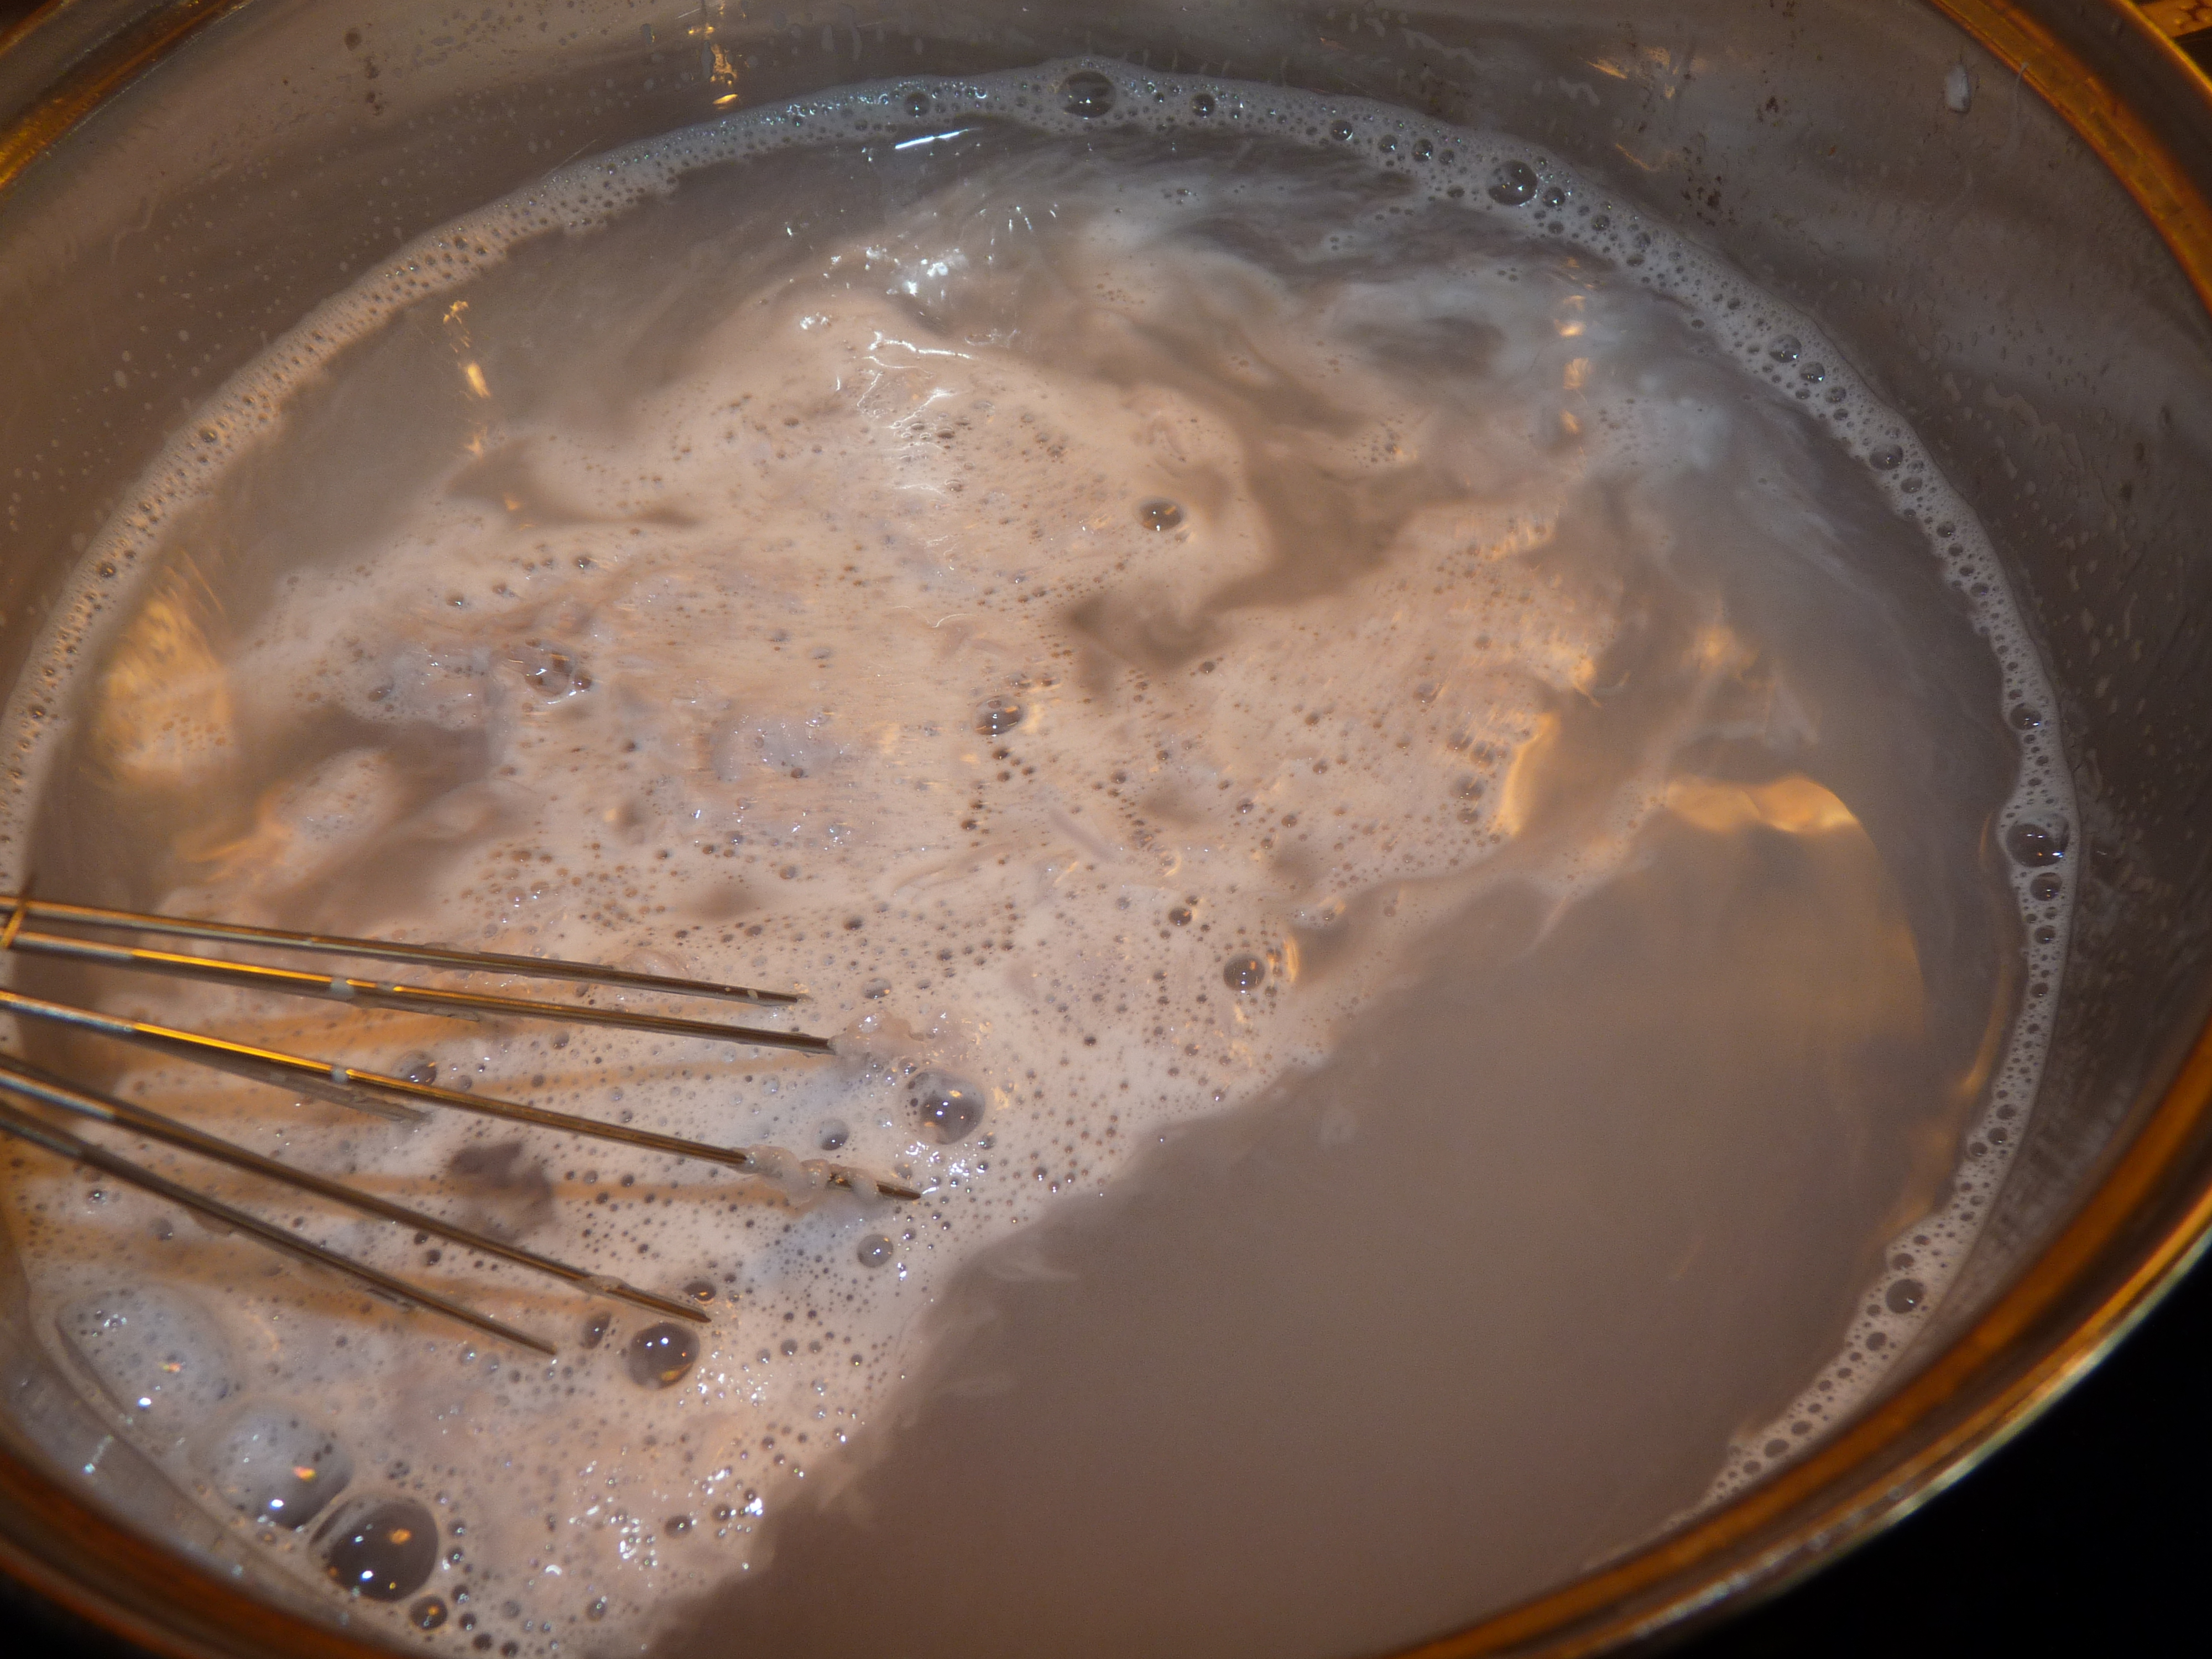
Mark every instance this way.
x=35 y=1083
x=394 y=995
x=2025 y=279
x=101 y=919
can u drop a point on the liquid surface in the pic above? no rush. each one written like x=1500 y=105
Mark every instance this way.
x=1430 y=834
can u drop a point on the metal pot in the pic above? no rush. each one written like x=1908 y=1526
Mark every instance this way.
x=1999 y=207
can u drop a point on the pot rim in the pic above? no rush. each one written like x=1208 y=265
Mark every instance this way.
x=2131 y=1240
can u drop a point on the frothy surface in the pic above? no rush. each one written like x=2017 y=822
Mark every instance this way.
x=1086 y=574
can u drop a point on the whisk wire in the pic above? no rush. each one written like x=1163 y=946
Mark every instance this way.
x=202 y=1049
x=359 y=1088
x=22 y=1125
x=95 y=916
x=397 y=998
x=38 y=1083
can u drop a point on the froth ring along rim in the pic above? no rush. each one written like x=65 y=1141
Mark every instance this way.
x=2036 y=1340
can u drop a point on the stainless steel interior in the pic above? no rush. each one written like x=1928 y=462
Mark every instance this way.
x=1994 y=279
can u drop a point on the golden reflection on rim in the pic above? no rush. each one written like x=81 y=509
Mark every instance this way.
x=1867 y=1475
x=99 y=75
x=2122 y=139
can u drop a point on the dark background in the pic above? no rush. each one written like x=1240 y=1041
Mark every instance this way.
x=2091 y=1533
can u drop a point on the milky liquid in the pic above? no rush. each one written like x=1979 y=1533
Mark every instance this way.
x=1432 y=834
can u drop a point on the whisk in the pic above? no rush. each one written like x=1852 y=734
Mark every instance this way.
x=376 y=1092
